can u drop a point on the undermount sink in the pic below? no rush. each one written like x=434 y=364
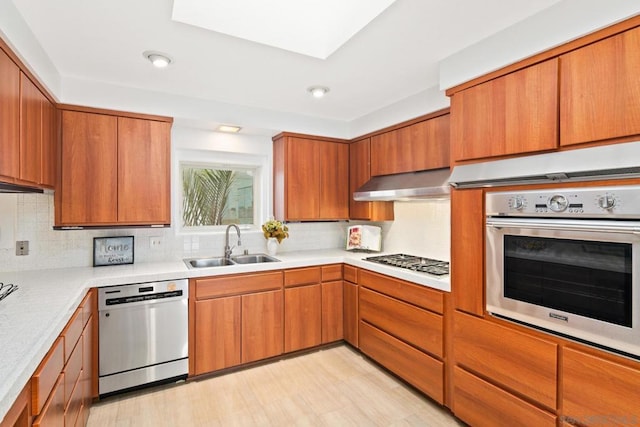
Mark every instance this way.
x=222 y=261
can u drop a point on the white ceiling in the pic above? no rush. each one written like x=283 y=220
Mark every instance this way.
x=392 y=58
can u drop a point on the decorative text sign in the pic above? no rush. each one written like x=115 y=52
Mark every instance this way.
x=112 y=250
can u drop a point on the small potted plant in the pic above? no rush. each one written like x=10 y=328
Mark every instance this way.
x=275 y=232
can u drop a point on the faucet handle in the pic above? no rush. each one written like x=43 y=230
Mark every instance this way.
x=246 y=252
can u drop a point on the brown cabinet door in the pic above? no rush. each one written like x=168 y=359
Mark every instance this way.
x=302 y=317
x=86 y=376
x=89 y=161
x=351 y=313
x=516 y=113
x=9 y=118
x=332 y=309
x=144 y=187
x=334 y=178
x=262 y=326
x=217 y=334
x=599 y=90
x=303 y=179
x=52 y=413
x=31 y=102
x=359 y=174
x=49 y=144
x=596 y=391
x=467 y=250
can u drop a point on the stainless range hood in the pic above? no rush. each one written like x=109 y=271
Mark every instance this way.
x=14 y=188
x=410 y=186
x=614 y=161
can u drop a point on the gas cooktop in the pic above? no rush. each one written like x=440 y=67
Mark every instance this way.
x=413 y=262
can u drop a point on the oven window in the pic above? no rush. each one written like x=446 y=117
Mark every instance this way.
x=587 y=278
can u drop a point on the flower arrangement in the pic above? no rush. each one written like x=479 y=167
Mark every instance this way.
x=276 y=229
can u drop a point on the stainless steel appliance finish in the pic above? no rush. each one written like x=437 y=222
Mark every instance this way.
x=408 y=186
x=413 y=262
x=143 y=334
x=566 y=260
x=586 y=164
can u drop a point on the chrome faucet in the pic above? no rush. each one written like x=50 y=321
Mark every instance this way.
x=227 y=248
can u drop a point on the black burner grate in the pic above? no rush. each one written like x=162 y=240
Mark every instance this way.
x=412 y=262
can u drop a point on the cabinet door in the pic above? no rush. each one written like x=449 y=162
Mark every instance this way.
x=31 y=101
x=9 y=118
x=599 y=90
x=53 y=411
x=596 y=391
x=87 y=369
x=144 y=187
x=217 y=337
x=19 y=415
x=351 y=313
x=89 y=184
x=467 y=249
x=302 y=317
x=332 y=309
x=359 y=174
x=49 y=143
x=303 y=179
x=262 y=326
x=516 y=113
x=334 y=178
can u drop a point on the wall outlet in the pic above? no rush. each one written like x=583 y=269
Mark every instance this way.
x=155 y=242
x=22 y=247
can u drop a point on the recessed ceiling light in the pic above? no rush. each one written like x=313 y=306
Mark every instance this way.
x=318 y=91
x=159 y=60
x=228 y=128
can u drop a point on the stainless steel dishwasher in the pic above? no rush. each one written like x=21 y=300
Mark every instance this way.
x=143 y=334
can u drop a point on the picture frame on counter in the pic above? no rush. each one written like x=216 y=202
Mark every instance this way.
x=117 y=250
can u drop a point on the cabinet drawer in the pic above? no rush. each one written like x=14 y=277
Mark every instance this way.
x=302 y=276
x=212 y=287
x=421 y=296
x=74 y=404
x=46 y=376
x=417 y=368
x=599 y=391
x=72 y=371
x=87 y=305
x=478 y=403
x=414 y=325
x=331 y=272
x=350 y=274
x=72 y=332
x=518 y=361
x=52 y=413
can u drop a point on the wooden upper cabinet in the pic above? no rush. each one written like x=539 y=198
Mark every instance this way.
x=513 y=114
x=49 y=149
x=359 y=174
x=144 y=164
x=9 y=118
x=310 y=178
x=600 y=90
x=419 y=146
x=89 y=176
x=31 y=104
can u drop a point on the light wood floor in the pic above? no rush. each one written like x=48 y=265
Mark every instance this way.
x=332 y=387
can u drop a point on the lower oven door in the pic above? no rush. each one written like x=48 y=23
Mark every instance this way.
x=577 y=278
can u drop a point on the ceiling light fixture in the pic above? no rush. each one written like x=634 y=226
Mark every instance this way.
x=229 y=129
x=318 y=91
x=159 y=60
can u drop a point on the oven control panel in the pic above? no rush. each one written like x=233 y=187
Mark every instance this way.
x=607 y=202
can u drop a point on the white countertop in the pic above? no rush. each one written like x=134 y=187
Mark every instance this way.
x=32 y=317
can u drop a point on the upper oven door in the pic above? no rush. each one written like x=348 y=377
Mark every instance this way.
x=576 y=277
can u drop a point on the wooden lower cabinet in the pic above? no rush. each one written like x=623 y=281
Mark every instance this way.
x=332 y=311
x=52 y=413
x=262 y=326
x=350 y=313
x=302 y=317
x=218 y=334
x=479 y=403
x=19 y=415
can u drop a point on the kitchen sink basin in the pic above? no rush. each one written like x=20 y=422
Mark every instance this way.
x=253 y=259
x=222 y=261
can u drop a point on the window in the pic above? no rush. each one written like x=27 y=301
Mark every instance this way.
x=214 y=195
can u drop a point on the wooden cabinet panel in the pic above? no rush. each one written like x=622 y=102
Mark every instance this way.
x=420 y=146
x=19 y=415
x=212 y=287
x=86 y=376
x=89 y=181
x=72 y=370
x=411 y=324
x=262 y=325
x=72 y=332
x=467 y=250
x=49 y=144
x=302 y=317
x=331 y=272
x=596 y=391
x=303 y=179
x=520 y=362
x=415 y=367
x=479 y=403
x=302 y=276
x=351 y=313
x=516 y=113
x=144 y=177
x=334 y=178
x=88 y=305
x=421 y=296
x=9 y=118
x=599 y=90
x=217 y=338
x=350 y=273
x=359 y=174
x=52 y=414
x=73 y=405
x=31 y=101
x=46 y=376
x=332 y=311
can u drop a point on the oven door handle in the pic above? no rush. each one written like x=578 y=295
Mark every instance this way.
x=606 y=226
